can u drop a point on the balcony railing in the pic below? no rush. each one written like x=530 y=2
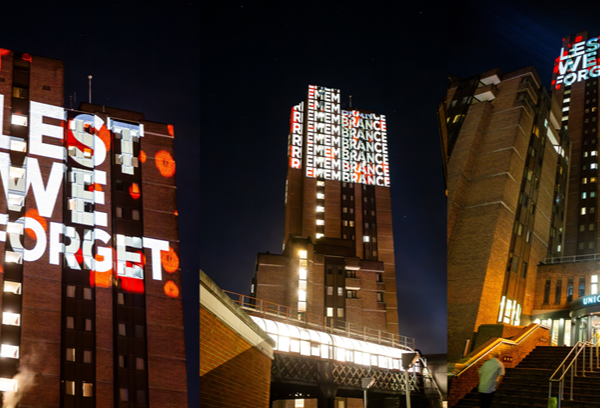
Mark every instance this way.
x=570 y=259
x=274 y=311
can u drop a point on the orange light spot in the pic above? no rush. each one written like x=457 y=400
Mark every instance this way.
x=142 y=156
x=104 y=135
x=165 y=163
x=97 y=187
x=134 y=191
x=4 y=51
x=101 y=279
x=171 y=289
x=176 y=213
x=169 y=260
x=33 y=213
x=171 y=130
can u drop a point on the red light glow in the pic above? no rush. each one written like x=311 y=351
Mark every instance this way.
x=171 y=289
x=164 y=163
x=33 y=213
x=134 y=191
x=142 y=156
x=132 y=284
x=578 y=38
x=171 y=130
x=27 y=57
x=169 y=260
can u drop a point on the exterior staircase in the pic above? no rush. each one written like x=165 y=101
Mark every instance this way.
x=527 y=384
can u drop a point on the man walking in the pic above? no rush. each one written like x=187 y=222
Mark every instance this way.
x=490 y=376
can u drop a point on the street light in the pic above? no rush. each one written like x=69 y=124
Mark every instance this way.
x=366 y=383
x=408 y=360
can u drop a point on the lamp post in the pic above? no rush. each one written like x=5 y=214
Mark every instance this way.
x=366 y=383
x=408 y=360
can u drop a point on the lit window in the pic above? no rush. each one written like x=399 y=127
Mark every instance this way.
x=139 y=363
x=365 y=238
x=70 y=291
x=87 y=356
x=320 y=195
x=585 y=154
x=340 y=312
x=302 y=306
x=135 y=215
x=14 y=287
x=302 y=273
x=594 y=166
x=122 y=329
x=119 y=212
x=594 y=153
x=345 y=223
x=301 y=285
x=9 y=351
x=319 y=235
x=351 y=224
x=320 y=183
x=70 y=387
x=123 y=394
x=340 y=291
x=13 y=257
x=87 y=293
x=329 y=290
x=301 y=295
x=18 y=120
x=88 y=324
x=87 y=389
x=584 y=195
x=320 y=209
x=121 y=298
x=345 y=210
x=70 y=322
x=320 y=222
x=330 y=312
x=70 y=354
x=582 y=211
x=592 y=179
x=11 y=319
x=302 y=254
x=380 y=296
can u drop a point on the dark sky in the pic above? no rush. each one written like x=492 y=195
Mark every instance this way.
x=143 y=57
x=257 y=62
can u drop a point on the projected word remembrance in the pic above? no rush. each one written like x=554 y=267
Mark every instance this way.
x=344 y=145
x=66 y=149
x=578 y=62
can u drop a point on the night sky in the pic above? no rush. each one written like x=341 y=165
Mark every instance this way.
x=257 y=62
x=143 y=57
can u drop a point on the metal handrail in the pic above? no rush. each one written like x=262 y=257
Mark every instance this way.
x=578 y=349
x=570 y=259
x=292 y=315
x=437 y=388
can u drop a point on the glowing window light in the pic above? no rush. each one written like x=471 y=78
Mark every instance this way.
x=365 y=238
x=19 y=120
x=17 y=172
x=305 y=348
x=8 y=351
x=302 y=295
x=14 y=287
x=8 y=384
x=88 y=389
x=320 y=183
x=320 y=209
x=320 y=222
x=11 y=319
x=302 y=273
x=18 y=145
x=319 y=235
x=302 y=306
x=13 y=257
x=321 y=196
x=295 y=346
x=302 y=254
x=302 y=284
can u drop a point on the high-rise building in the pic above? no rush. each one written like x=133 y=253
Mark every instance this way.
x=507 y=165
x=338 y=256
x=91 y=304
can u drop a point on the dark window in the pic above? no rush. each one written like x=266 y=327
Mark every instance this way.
x=547 y=292
x=46 y=88
x=581 y=286
x=350 y=273
x=380 y=277
x=558 y=292
x=570 y=290
x=524 y=270
x=351 y=294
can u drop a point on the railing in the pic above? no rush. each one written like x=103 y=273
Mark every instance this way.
x=572 y=365
x=570 y=259
x=262 y=308
x=430 y=374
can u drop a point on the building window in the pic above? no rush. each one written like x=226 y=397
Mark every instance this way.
x=87 y=389
x=70 y=291
x=582 y=286
x=123 y=394
x=70 y=387
x=594 y=287
x=352 y=294
x=87 y=293
x=122 y=361
x=70 y=322
x=14 y=287
x=329 y=290
x=330 y=312
x=122 y=329
x=350 y=273
x=379 y=277
x=141 y=397
x=119 y=212
x=340 y=312
x=365 y=238
x=139 y=363
x=582 y=212
x=340 y=291
x=121 y=298
x=570 y=289
x=87 y=356
x=135 y=215
x=558 y=291
x=547 y=292
x=380 y=296
x=524 y=270
x=88 y=324
x=70 y=354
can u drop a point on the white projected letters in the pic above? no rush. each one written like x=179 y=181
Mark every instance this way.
x=578 y=62
x=343 y=145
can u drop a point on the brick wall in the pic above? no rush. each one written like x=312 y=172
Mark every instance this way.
x=235 y=364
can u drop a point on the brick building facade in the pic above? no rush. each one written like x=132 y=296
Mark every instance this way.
x=92 y=311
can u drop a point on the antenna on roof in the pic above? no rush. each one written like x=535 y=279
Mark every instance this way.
x=90 y=80
x=350 y=100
